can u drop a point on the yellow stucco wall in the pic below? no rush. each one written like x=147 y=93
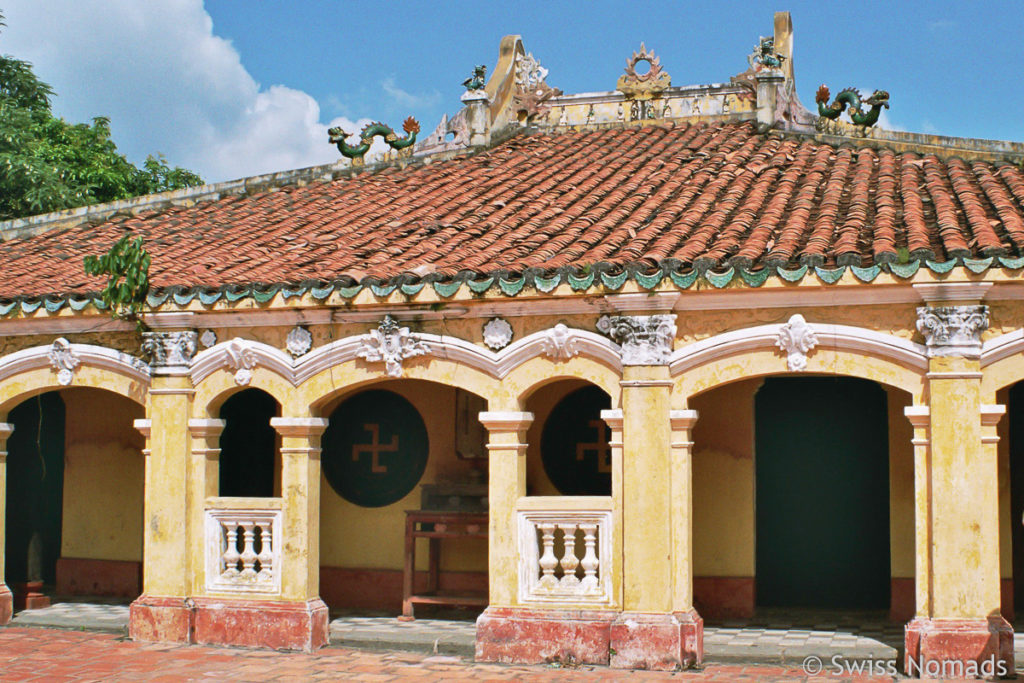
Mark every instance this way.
x=356 y=537
x=723 y=480
x=103 y=477
x=901 y=486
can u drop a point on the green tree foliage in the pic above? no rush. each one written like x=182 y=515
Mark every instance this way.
x=48 y=164
x=126 y=266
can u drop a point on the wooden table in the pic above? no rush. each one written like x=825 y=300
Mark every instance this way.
x=436 y=525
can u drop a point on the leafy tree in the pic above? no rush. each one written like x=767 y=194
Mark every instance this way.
x=48 y=164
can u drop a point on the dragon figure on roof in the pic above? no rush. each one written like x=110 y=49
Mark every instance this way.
x=336 y=136
x=862 y=119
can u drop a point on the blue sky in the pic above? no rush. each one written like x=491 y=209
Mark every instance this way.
x=236 y=87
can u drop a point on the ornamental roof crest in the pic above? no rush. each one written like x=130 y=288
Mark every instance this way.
x=532 y=90
x=643 y=86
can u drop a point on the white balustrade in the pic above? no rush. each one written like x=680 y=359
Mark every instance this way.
x=242 y=550
x=565 y=554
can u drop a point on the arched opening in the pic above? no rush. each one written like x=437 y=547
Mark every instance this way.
x=1015 y=426
x=568 y=450
x=75 y=489
x=250 y=464
x=786 y=467
x=389 y=448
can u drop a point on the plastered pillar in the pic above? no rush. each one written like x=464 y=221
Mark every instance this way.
x=681 y=526
x=6 y=598
x=958 y=630
x=204 y=483
x=164 y=610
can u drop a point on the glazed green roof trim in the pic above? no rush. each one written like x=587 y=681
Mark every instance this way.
x=261 y=294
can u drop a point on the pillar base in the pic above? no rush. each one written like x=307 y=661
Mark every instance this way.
x=959 y=648
x=514 y=635
x=29 y=595
x=663 y=642
x=261 y=623
x=161 y=619
x=6 y=604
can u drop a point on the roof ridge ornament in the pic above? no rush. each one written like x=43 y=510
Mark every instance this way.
x=532 y=89
x=391 y=344
x=828 y=114
x=337 y=135
x=647 y=85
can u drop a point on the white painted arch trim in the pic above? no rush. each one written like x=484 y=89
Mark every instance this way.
x=836 y=337
x=100 y=357
x=1003 y=346
x=496 y=364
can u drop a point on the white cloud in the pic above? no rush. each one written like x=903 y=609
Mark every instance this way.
x=168 y=84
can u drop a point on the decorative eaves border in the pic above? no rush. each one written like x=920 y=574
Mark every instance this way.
x=321 y=291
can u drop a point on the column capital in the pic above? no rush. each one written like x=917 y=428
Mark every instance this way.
x=917 y=415
x=613 y=418
x=6 y=429
x=953 y=331
x=683 y=419
x=991 y=414
x=144 y=426
x=170 y=353
x=505 y=421
x=299 y=426
x=643 y=339
x=206 y=427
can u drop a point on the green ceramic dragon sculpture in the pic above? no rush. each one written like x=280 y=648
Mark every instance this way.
x=851 y=97
x=356 y=153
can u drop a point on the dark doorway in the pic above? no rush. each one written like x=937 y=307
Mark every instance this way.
x=822 y=496
x=248 y=445
x=1016 y=420
x=35 y=489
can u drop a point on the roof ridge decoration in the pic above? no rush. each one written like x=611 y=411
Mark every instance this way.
x=355 y=153
x=532 y=91
x=828 y=115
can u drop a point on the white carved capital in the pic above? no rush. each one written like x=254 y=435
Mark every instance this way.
x=64 y=361
x=644 y=339
x=952 y=330
x=392 y=345
x=169 y=352
x=796 y=339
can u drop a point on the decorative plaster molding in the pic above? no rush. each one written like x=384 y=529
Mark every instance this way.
x=796 y=339
x=505 y=421
x=208 y=339
x=143 y=426
x=88 y=355
x=991 y=414
x=299 y=341
x=683 y=419
x=64 y=360
x=558 y=343
x=240 y=358
x=299 y=426
x=837 y=337
x=169 y=352
x=644 y=339
x=207 y=428
x=953 y=330
x=392 y=345
x=497 y=334
x=952 y=291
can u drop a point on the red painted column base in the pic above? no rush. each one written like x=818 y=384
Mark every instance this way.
x=6 y=604
x=261 y=623
x=663 y=642
x=514 y=635
x=160 y=620
x=959 y=648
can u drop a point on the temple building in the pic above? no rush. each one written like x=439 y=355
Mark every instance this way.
x=604 y=365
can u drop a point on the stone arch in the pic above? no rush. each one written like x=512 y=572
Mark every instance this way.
x=31 y=371
x=540 y=371
x=219 y=385
x=1002 y=363
x=840 y=350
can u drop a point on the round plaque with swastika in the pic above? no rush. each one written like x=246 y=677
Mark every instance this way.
x=375 y=448
x=574 y=445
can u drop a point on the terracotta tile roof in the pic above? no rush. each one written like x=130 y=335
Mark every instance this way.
x=703 y=196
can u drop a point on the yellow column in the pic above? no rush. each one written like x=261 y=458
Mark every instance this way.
x=204 y=482
x=6 y=599
x=506 y=452
x=613 y=418
x=658 y=629
x=958 y=613
x=300 y=489
x=164 y=611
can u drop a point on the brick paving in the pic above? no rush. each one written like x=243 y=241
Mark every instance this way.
x=36 y=654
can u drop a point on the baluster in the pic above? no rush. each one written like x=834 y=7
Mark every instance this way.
x=266 y=556
x=230 y=557
x=548 y=561
x=591 y=563
x=569 y=560
x=248 y=553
